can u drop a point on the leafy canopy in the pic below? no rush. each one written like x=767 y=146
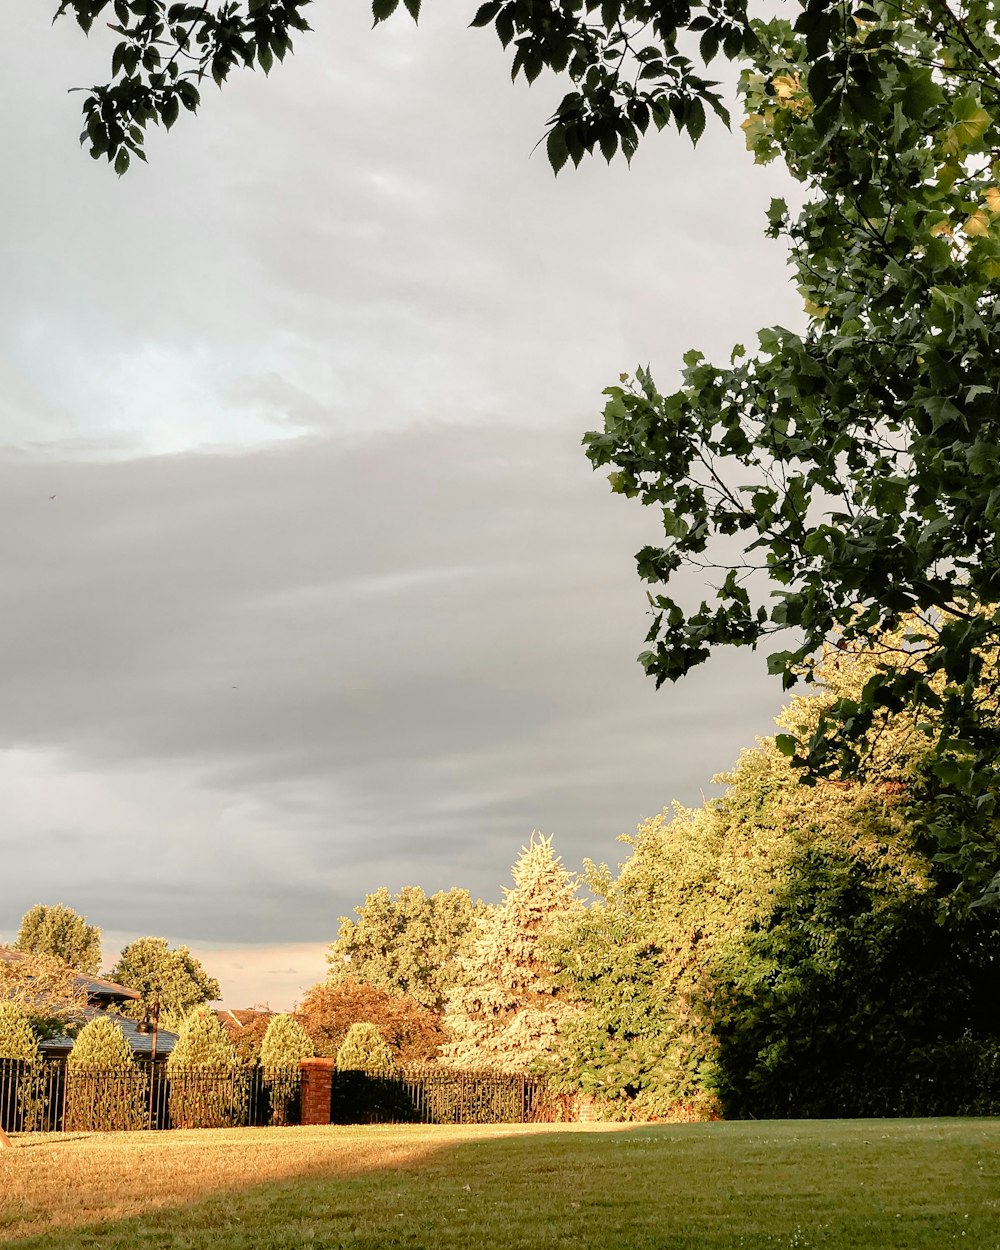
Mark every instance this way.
x=624 y=59
x=405 y=943
x=59 y=932
x=172 y=982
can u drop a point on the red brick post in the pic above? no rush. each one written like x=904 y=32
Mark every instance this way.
x=317 y=1082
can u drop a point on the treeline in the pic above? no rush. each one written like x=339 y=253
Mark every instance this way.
x=788 y=949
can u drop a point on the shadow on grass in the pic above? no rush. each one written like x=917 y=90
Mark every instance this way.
x=914 y=1184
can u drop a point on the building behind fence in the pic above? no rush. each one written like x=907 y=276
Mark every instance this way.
x=50 y=1097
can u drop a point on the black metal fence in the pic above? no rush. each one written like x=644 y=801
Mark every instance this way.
x=440 y=1096
x=51 y=1097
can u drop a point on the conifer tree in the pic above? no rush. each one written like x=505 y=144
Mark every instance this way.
x=202 y=1043
x=285 y=1045
x=17 y=1041
x=364 y=1050
x=104 y=1089
x=508 y=1013
x=208 y=1084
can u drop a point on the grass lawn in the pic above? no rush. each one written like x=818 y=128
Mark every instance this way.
x=906 y=1184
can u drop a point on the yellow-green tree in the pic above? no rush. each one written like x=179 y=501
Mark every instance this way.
x=104 y=1088
x=19 y=1044
x=208 y=1084
x=285 y=1045
x=508 y=1011
x=59 y=932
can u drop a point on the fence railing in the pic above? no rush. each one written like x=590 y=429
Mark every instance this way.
x=440 y=1096
x=51 y=1096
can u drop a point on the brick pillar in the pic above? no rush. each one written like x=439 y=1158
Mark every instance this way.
x=317 y=1079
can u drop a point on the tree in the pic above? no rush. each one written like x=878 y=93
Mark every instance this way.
x=208 y=1084
x=17 y=1041
x=59 y=932
x=507 y=1011
x=247 y=1034
x=412 y=1032
x=844 y=477
x=285 y=1045
x=784 y=947
x=363 y=1050
x=171 y=981
x=51 y=994
x=167 y=50
x=202 y=1043
x=406 y=943
x=849 y=991
x=104 y=1089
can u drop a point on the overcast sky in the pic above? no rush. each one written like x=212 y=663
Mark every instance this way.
x=307 y=585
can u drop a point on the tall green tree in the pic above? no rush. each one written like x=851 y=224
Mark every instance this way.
x=406 y=943
x=59 y=932
x=507 y=1011
x=646 y=960
x=170 y=981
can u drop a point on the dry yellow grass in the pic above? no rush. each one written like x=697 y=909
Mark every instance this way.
x=834 y=1185
x=60 y=1180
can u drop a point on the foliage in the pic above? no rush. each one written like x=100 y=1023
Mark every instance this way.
x=170 y=981
x=58 y=932
x=208 y=1084
x=104 y=1088
x=49 y=992
x=17 y=1041
x=643 y=960
x=853 y=464
x=508 y=1011
x=413 y=1033
x=364 y=1050
x=406 y=943
x=202 y=1043
x=100 y=1044
x=624 y=60
x=285 y=1045
x=821 y=1008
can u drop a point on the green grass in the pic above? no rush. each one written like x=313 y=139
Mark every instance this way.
x=906 y=1184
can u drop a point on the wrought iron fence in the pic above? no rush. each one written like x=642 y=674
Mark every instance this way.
x=51 y=1096
x=440 y=1096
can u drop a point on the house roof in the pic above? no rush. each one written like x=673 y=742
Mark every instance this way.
x=97 y=988
x=140 y=1042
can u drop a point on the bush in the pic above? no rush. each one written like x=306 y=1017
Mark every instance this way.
x=364 y=1050
x=105 y=1091
x=285 y=1045
x=19 y=1044
x=209 y=1088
